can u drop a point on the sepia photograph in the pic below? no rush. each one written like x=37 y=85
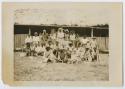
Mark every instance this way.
x=63 y=46
x=63 y=43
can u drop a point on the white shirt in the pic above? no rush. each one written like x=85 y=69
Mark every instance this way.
x=71 y=49
x=36 y=38
x=60 y=35
x=53 y=36
x=28 y=39
x=32 y=47
x=88 y=45
x=40 y=49
x=93 y=44
x=47 y=54
x=72 y=37
x=84 y=41
x=37 y=49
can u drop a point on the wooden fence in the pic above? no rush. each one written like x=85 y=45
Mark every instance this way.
x=103 y=43
x=19 y=40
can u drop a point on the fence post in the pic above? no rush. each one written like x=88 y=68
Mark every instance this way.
x=29 y=31
x=92 y=32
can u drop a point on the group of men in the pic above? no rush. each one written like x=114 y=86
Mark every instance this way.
x=61 y=46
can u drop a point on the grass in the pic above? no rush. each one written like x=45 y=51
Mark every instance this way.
x=32 y=69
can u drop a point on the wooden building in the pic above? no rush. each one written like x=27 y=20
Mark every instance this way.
x=101 y=32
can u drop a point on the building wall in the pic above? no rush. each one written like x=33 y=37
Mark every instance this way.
x=103 y=43
x=19 y=40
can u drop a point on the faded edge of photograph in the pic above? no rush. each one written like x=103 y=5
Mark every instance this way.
x=51 y=46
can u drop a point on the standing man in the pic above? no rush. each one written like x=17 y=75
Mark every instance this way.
x=66 y=38
x=60 y=37
x=66 y=35
x=44 y=37
x=53 y=34
x=86 y=44
x=84 y=40
x=94 y=48
x=36 y=39
x=72 y=37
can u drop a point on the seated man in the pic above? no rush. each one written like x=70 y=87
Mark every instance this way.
x=68 y=55
x=28 y=42
x=70 y=47
x=38 y=50
x=43 y=49
x=62 y=55
x=87 y=55
x=47 y=55
x=32 y=48
x=74 y=58
x=52 y=57
x=81 y=52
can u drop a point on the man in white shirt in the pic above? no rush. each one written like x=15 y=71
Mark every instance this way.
x=53 y=34
x=60 y=37
x=84 y=40
x=40 y=50
x=36 y=38
x=28 y=39
x=47 y=55
x=94 y=49
x=60 y=33
x=66 y=35
x=93 y=43
x=73 y=37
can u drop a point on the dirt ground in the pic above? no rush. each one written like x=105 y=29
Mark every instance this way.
x=32 y=69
